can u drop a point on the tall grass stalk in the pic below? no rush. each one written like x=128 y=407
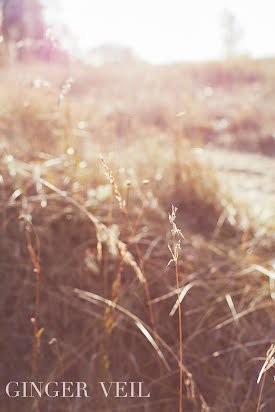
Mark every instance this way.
x=35 y=258
x=269 y=363
x=123 y=207
x=176 y=237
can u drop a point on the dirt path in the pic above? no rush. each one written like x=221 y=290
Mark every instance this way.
x=250 y=176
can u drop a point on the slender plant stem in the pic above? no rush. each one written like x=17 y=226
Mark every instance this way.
x=261 y=392
x=180 y=324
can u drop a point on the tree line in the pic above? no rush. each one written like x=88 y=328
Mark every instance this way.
x=24 y=32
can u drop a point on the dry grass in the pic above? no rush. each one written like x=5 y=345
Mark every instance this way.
x=102 y=299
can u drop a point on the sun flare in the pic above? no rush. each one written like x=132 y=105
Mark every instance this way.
x=164 y=31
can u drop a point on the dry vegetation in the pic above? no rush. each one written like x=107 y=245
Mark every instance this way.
x=89 y=171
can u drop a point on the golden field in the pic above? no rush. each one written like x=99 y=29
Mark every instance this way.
x=92 y=160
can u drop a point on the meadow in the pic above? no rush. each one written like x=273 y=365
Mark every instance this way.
x=93 y=162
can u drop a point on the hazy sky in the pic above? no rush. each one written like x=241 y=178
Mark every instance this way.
x=166 y=30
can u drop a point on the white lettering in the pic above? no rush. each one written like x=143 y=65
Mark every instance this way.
x=81 y=386
x=104 y=389
x=38 y=391
x=140 y=391
x=55 y=393
x=8 y=390
x=120 y=388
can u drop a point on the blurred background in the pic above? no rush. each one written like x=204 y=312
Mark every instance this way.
x=110 y=113
x=158 y=32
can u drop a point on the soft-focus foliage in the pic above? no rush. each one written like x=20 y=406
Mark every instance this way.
x=91 y=161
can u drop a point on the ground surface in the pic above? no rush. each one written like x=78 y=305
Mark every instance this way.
x=249 y=176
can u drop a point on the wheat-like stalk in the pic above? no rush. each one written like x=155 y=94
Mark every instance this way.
x=176 y=237
x=269 y=363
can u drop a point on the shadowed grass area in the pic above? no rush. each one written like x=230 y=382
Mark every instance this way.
x=86 y=188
